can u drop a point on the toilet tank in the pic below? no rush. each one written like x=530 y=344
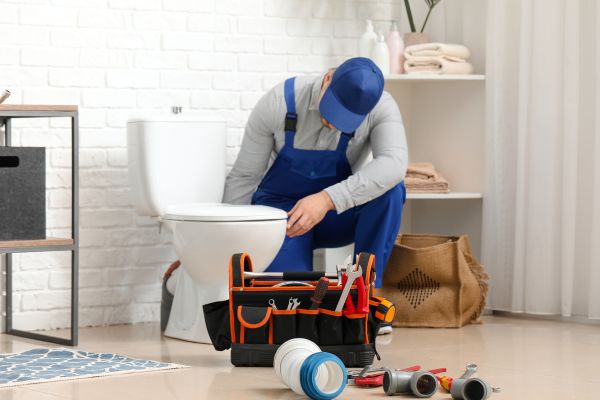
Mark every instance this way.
x=175 y=160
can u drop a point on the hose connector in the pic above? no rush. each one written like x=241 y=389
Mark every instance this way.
x=418 y=383
x=304 y=368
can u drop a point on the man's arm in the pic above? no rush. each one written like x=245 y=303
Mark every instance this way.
x=388 y=167
x=253 y=158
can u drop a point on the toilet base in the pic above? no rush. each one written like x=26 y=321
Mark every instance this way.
x=186 y=320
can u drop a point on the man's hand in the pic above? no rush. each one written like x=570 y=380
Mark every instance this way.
x=308 y=212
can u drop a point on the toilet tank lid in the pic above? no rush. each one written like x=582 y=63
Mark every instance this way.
x=215 y=212
x=174 y=118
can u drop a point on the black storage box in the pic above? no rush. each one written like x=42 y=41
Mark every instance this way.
x=22 y=193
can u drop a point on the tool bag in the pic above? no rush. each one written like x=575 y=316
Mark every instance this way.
x=253 y=329
x=434 y=281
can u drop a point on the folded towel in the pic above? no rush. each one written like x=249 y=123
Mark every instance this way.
x=423 y=178
x=419 y=186
x=437 y=65
x=437 y=49
x=421 y=170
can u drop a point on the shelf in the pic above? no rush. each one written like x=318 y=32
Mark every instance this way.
x=432 y=78
x=444 y=196
x=38 y=107
x=7 y=113
x=49 y=244
x=37 y=110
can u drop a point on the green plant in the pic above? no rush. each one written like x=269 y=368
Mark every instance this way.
x=430 y=4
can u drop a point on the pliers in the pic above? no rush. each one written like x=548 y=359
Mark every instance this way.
x=361 y=306
x=372 y=377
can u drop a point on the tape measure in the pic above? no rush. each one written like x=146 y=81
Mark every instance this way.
x=386 y=311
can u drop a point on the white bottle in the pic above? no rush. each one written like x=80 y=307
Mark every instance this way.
x=367 y=41
x=396 y=48
x=381 y=55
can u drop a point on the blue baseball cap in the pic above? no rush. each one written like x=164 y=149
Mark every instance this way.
x=355 y=89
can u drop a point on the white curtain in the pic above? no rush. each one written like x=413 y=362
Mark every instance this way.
x=542 y=207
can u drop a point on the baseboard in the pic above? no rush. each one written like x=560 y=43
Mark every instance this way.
x=545 y=317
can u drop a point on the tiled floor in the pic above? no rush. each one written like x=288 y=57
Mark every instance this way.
x=528 y=359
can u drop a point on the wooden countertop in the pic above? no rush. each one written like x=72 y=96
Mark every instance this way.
x=38 y=107
x=49 y=242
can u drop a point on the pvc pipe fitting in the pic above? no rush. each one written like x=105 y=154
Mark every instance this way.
x=470 y=389
x=418 y=383
x=301 y=366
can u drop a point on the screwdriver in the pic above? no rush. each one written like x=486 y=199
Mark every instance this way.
x=319 y=293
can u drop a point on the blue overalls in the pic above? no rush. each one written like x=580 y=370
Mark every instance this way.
x=298 y=173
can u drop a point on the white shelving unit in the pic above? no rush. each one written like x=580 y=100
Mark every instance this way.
x=444 y=118
x=444 y=121
x=433 y=77
x=444 y=196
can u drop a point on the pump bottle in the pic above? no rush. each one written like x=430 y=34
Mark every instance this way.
x=396 y=48
x=367 y=41
x=381 y=55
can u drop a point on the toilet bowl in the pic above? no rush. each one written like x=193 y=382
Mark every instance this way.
x=205 y=236
x=177 y=174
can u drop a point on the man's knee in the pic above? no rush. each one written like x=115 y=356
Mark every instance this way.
x=393 y=198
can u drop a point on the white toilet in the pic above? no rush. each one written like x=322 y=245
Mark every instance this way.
x=177 y=173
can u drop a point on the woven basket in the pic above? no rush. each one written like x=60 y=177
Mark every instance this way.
x=434 y=281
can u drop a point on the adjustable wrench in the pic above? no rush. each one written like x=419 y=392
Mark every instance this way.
x=343 y=268
x=469 y=371
x=352 y=275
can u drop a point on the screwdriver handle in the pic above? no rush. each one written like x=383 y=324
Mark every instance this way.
x=319 y=293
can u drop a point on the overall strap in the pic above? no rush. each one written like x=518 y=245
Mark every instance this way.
x=343 y=142
x=291 y=118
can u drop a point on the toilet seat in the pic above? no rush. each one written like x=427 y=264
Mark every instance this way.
x=219 y=212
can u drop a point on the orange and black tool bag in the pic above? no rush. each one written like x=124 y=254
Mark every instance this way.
x=255 y=320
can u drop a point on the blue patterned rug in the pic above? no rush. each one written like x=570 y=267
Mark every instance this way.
x=49 y=365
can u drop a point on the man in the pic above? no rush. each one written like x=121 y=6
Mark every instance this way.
x=317 y=131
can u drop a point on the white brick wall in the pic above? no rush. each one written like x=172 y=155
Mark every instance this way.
x=120 y=58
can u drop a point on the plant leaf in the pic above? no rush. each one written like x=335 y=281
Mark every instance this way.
x=410 y=16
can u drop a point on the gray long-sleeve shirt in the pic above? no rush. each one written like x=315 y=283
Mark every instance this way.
x=381 y=133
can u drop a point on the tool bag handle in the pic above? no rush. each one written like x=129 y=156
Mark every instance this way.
x=367 y=262
x=364 y=260
x=239 y=263
x=303 y=275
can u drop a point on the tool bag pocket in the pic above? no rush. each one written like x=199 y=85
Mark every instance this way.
x=254 y=324
x=306 y=322
x=354 y=328
x=216 y=316
x=284 y=325
x=331 y=327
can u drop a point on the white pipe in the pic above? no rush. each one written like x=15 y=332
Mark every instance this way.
x=324 y=373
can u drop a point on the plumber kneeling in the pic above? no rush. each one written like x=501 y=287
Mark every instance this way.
x=319 y=133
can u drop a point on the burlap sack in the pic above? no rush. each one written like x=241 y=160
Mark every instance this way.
x=434 y=281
